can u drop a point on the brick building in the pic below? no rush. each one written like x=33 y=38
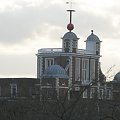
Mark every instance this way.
x=17 y=88
x=81 y=65
x=65 y=71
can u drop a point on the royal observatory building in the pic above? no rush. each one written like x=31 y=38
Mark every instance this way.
x=69 y=63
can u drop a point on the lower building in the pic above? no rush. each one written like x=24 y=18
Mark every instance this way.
x=17 y=88
x=54 y=85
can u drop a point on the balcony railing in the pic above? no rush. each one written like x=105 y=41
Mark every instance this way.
x=50 y=50
x=59 y=50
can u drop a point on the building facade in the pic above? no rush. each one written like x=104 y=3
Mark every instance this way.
x=82 y=66
x=65 y=72
x=17 y=88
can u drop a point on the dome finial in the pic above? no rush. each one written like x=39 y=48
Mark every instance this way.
x=91 y=31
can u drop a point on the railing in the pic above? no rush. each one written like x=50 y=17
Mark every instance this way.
x=81 y=51
x=50 y=50
x=59 y=50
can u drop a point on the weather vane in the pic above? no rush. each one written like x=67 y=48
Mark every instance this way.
x=70 y=26
x=70 y=4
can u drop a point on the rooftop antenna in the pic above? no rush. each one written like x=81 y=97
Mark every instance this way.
x=70 y=26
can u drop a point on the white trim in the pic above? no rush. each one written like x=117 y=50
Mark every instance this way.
x=85 y=94
x=50 y=60
x=92 y=92
x=77 y=88
x=85 y=70
x=101 y=93
x=41 y=66
x=0 y=91
x=70 y=72
x=108 y=94
x=57 y=87
x=13 y=87
x=92 y=69
x=77 y=69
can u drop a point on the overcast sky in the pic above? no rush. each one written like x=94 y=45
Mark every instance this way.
x=28 y=25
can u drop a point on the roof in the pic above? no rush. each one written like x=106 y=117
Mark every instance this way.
x=70 y=35
x=93 y=38
x=117 y=77
x=55 y=71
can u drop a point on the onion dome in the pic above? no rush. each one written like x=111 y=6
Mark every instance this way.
x=55 y=71
x=93 y=37
x=117 y=77
x=70 y=36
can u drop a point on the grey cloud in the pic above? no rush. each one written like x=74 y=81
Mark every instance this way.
x=99 y=23
x=14 y=65
x=15 y=26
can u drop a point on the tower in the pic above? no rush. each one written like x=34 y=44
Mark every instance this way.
x=81 y=65
x=93 y=47
x=70 y=40
x=93 y=44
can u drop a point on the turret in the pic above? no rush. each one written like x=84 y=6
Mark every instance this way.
x=93 y=44
x=70 y=42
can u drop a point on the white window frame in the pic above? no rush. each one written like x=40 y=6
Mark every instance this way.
x=108 y=94
x=74 y=44
x=92 y=92
x=77 y=69
x=85 y=70
x=77 y=88
x=92 y=69
x=101 y=93
x=49 y=95
x=67 y=43
x=51 y=62
x=0 y=91
x=85 y=94
x=97 y=46
x=13 y=86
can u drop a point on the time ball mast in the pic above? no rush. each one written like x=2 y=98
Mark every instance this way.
x=70 y=26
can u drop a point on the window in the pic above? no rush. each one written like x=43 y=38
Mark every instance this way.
x=67 y=44
x=101 y=94
x=108 y=94
x=97 y=48
x=92 y=92
x=49 y=62
x=13 y=90
x=85 y=94
x=74 y=44
x=77 y=88
x=77 y=69
x=50 y=94
x=0 y=91
x=92 y=69
x=85 y=70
